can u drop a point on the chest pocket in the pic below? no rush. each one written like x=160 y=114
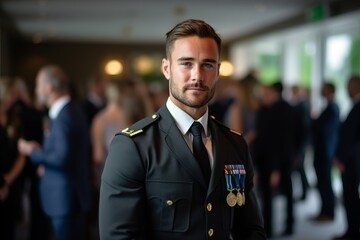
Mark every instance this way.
x=169 y=205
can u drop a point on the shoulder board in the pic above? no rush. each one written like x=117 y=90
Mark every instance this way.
x=222 y=125
x=140 y=125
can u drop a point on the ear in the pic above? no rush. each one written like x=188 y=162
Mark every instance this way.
x=165 y=67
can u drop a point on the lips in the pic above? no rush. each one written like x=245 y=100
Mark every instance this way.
x=197 y=87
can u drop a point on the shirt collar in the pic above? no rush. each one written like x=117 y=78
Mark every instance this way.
x=57 y=106
x=184 y=120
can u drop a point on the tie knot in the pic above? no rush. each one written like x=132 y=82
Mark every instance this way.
x=196 y=129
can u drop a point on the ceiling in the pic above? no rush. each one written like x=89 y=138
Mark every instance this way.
x=138 y=21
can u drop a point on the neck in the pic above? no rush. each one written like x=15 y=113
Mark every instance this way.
x=54 y=97
x=194 y=112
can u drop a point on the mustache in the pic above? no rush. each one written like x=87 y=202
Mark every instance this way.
x=197 y=85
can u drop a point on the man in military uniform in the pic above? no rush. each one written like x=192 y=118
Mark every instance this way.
x=160 y=181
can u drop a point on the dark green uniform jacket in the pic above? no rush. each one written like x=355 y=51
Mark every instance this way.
x=152 y=186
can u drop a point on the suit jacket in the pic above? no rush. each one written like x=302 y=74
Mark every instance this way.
x=65 y=185
x=276 y=134
x=152 y=186
x=348 y=150
x=325 y=133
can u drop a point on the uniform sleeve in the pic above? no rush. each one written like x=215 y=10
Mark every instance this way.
x=57 y=155
x=122 y=204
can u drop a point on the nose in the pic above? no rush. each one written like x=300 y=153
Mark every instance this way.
x=197 y=73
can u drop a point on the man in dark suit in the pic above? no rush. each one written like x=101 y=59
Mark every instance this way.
x=348 y=161
x=95 y=100
x=153 y=186
x=274 y=151
x=324 y=138
x=65 y=182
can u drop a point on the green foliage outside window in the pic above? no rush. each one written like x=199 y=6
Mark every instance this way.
x=355 y=56
x=269 y=68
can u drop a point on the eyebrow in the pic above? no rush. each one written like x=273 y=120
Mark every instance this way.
x=192 y=59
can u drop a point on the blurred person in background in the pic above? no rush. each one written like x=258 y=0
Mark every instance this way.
x=95 y=99
x=347 y=159
x=22 y=120
x=223 y=100
x=106 y=123
x=324 y=140
x=65 y=190
x=93 y=103
x=274 y=153
x=159 y=93
x=11 y=164
x=124 y=106
x=300 y=101
x=244 y=112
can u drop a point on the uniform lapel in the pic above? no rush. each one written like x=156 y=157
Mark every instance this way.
x=220 y=156
x=178 y=146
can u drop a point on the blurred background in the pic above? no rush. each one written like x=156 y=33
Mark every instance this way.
x=298 y=42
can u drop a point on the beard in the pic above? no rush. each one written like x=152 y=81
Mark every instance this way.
x=200 y=100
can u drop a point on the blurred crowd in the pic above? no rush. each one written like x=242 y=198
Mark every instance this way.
x=279 y=130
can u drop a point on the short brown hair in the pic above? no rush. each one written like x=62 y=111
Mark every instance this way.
x=191 y=27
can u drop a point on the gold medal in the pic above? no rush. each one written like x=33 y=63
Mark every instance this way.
x=243 y=198
x=239 y=198
x=231 y=199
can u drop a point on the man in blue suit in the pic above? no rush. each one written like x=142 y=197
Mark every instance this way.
x=325 y=134
x=65 y=181
x=348 y=161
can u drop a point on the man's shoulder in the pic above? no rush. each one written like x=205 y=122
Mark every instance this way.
x=140 y=126
x=225 y=128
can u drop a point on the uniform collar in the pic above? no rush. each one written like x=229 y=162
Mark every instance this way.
x=184 y=120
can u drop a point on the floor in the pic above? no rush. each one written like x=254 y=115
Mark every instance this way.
x=306 y=229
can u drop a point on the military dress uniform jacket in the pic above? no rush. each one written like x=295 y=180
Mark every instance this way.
x=152 y=186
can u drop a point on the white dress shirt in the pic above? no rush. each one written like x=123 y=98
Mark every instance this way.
x=57 y=106
x=184 y=122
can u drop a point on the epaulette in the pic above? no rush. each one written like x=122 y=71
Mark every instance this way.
x=227 y=128
x=140 y=125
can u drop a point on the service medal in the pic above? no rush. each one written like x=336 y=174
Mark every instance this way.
x=231 y=199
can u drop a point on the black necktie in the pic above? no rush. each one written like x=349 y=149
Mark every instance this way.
x=199 y=150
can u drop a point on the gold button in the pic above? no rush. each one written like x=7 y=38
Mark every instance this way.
x=169 y=202
x=209 y=207
x=154 y=116
x=211 y=232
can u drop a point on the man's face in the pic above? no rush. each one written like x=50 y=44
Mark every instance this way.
x=353 y=90
x=42 y=89
x=193 y=71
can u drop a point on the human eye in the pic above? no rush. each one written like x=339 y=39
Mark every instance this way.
x=208 y=65
x=186 y=64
